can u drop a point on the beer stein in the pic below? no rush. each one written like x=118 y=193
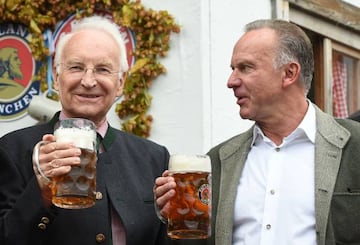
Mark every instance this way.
x=43 y=108
x=189 y=215
x=77 y=189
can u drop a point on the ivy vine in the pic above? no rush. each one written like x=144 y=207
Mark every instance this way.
x=152 y=31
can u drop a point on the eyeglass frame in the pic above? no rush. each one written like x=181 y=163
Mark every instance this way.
x=83 y=70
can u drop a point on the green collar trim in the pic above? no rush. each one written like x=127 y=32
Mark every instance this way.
x=54 y=119
x=109 y=138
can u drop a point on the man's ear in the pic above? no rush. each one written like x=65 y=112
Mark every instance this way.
x=291 y=73
x=56 y=78
x=120 y=87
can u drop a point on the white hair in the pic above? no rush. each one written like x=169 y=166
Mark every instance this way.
x=94 y=22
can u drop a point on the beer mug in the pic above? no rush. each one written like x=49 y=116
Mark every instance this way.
x=189 y=214
x=43 y=108
x=77 y=189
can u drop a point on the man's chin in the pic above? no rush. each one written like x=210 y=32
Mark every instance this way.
x=244 y=114
x=83 y=112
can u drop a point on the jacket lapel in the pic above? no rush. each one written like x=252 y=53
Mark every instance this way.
x=232 y=156
x=118 y=184
x=113 y=162
x=330 y=139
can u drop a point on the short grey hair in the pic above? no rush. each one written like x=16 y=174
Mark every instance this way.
x=94 y=23
x=294 y=45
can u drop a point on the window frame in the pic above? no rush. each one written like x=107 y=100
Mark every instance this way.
x=330 y=36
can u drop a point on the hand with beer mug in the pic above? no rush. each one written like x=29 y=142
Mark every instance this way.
x=183 y=197
x=66 y=163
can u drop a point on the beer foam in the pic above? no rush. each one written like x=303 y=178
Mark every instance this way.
x=82 y=138
x=190 y=163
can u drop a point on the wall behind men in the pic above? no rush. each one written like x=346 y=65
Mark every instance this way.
x=192 y=108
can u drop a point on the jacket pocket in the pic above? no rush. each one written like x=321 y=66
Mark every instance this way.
x=345 y=216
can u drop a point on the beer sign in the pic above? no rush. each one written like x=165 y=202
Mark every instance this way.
x=17 y=70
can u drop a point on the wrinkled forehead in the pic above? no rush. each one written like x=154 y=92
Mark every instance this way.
x=93 y=37
x=259 y=42
x=258 y=37
x=92 y=44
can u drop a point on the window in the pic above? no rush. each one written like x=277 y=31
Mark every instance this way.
x=336 y=41
x=346 y=80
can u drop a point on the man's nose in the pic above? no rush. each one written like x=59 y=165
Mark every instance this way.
x=88 y=79
x=233 y=80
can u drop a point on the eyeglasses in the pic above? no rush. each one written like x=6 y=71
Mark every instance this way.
x=78 y=70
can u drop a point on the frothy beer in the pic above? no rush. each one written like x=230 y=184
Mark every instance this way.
x=77 y=189
x=83 y=138
x=190 y=209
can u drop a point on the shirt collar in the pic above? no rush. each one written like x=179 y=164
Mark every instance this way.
x=307 y=126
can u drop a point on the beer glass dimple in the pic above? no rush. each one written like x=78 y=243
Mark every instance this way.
x=189 y=214
x=77 y=189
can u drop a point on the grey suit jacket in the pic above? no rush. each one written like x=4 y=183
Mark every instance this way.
x=337 y=181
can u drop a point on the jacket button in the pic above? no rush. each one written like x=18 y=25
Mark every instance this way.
x=100 y=238
x=98 y=195
x=45 y=220
x=42 y=226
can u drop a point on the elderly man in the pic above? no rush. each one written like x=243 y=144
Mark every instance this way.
x=90 y=63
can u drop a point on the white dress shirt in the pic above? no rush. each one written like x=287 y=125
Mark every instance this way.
x=275 y=201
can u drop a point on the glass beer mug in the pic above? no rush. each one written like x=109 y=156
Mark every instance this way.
x=189 y=215
x=77 y=189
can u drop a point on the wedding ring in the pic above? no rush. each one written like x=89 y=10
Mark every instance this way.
x=53 y=164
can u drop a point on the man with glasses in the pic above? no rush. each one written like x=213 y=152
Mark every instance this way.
x=90 y=66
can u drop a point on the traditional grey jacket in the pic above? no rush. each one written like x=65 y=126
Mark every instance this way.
x=337 y=181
